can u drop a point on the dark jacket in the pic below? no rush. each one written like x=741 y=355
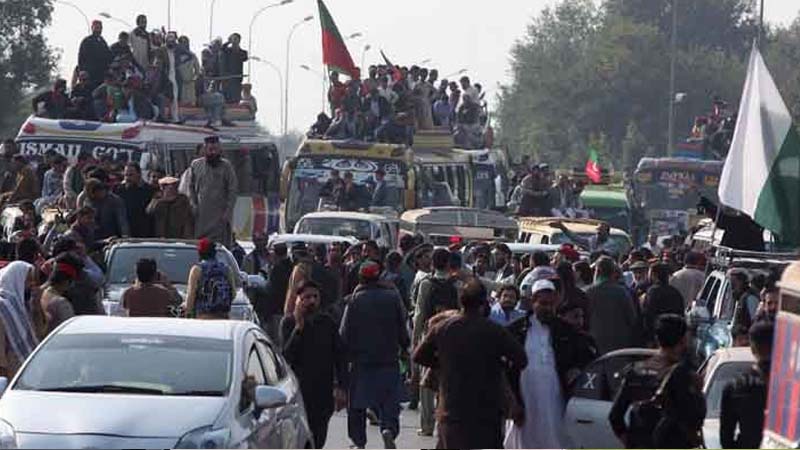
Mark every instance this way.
x=743 y=404
x=94 y=57
x=56 y=104
x=111 y=217
x=172 y=219
x=572 y=350
x=278 y=285
x=612 y=320
x=119 y=50
x=374 y=326
x=318 y=358
x=661 y=299
x=639 y=382
x=136 y=199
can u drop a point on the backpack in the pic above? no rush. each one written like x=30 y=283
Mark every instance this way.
x=215 y=295
x=645 y=415
x=443 y=296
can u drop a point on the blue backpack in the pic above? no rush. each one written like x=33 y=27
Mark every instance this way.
x=215 y=295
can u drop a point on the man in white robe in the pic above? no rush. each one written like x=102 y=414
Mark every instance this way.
x=539 y=382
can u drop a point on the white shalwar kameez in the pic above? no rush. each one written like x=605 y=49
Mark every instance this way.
x=541 y=392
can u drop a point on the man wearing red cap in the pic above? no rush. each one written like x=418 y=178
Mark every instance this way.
x=94 y=55
x=374 y=332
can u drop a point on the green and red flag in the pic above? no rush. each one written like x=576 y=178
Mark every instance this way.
x=334 y=51
x=593 y=170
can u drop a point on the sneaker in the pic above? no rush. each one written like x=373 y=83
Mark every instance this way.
x=424 y=433
x=388 y=439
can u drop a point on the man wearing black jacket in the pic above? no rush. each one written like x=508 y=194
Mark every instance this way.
x=270 y=309
x=314 y=349
x=94 y=55
x=745 y=399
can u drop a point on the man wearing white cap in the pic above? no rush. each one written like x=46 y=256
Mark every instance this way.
x=171 y=211
x=556 y=355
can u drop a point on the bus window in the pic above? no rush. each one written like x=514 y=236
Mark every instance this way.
x=790 y=303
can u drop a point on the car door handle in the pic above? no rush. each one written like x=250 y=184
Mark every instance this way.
x=585 y=421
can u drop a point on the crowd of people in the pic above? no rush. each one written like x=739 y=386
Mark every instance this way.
x=537 y=194
x=149 y=75
x=394 y=102
x=371 y=330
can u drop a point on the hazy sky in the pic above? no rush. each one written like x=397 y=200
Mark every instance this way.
x=454 y=34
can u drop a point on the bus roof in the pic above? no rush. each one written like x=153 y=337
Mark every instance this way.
x=604 y=198
x=352 y=148
x=680 y=164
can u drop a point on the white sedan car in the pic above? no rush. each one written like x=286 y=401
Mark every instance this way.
x=106 y=382
x=586 y=418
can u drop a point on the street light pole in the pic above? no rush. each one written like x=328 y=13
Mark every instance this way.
x=280 y=82
x=761 y=25
x=364 y=54
x=74 y=6
x=286 y=78
x=253 y=21
x=673 y=57
x=169 y=15
x=211 y=21
x=116 y=19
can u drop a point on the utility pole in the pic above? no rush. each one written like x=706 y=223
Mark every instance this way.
x=672 y=61
x=761 y=26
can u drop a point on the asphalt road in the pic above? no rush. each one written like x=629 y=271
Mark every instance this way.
x=409 y=423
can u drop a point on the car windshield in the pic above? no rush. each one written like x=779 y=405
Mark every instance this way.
x=360 y=229
x=128 y=363
x=174 y=262
x=724 y=374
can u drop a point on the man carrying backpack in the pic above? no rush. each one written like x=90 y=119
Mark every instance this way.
x=644 y=379
x=211 y=285
x=436 y=294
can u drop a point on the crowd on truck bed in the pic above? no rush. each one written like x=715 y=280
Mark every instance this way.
x=150 y=75
x=394 y=102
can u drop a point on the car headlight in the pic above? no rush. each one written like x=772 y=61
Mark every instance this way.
x=8 y=437
x=205 y=437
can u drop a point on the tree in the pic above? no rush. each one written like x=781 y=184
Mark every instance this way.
x=26 y=61
x=583 y=71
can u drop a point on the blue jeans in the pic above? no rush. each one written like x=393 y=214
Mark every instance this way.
x=373 y=387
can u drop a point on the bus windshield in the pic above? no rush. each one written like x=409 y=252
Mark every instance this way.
x=308 y=191
x=676 y=188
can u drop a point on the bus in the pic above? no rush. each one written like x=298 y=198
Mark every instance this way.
x=171 y=148
x=438 y=164
x=668 y=189
x=306 y=173
x=491 y=183
x=782 y=424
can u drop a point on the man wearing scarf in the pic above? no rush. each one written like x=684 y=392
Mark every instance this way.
x=213 y=190
x=17 y=339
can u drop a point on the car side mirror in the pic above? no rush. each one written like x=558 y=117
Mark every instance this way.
x=268 y=397
x=3 y=384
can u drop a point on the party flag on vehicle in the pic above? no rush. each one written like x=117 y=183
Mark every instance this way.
x=761 y=176
x=334 y=51
x=593 y=170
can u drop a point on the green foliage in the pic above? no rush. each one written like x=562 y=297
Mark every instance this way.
x=584 y=71
x=26 y=61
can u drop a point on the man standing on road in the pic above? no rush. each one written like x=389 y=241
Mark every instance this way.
x=171 y=212
x=137 y=195
x=374 y=332
x=314 y=349
x=661 y=299
x=689 y=280
x=148 y=297
x=642 y=379
x=213 y=191
x=556 y=354
x=270 y=308
x=471 y=354
x=613 y=322
x=745 y=399
x=436 y=294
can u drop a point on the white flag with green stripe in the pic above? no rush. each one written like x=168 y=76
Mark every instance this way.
x=761 y=176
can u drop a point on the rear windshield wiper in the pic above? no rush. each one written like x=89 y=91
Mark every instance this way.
x=106 y=388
